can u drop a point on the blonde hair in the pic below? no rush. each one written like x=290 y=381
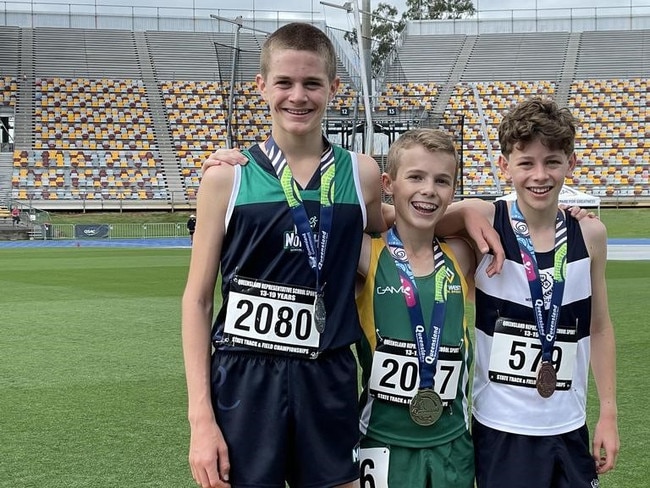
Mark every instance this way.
x=432 y=140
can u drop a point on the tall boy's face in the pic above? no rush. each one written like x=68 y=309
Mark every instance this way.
x=423 y=186
x=297 y=90
x=537 y=173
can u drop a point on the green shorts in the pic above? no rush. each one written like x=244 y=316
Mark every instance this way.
x=449 y=465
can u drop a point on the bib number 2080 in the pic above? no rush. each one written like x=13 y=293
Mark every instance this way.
x=283 y=321
x=270 y=316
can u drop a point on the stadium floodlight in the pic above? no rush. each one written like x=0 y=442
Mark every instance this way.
x=347 y=6
x=364 y=63
x=239 y=23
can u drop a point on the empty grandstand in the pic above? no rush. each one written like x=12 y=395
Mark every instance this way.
x=122 y=118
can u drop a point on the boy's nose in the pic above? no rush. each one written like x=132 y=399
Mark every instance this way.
x=539 y=171
x=299 y=93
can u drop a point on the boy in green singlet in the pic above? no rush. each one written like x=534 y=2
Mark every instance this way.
x=416 y=351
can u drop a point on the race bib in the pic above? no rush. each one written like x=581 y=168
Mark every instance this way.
x=394 y=376
x=516 y=354
x=374 y=467
x=271 y=317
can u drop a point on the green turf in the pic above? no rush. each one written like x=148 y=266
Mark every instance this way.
x=92 y=391
x=628 y=283
x=620 y=222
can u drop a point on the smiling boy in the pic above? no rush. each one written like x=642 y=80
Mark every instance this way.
x=543 y=321
x=276 y=402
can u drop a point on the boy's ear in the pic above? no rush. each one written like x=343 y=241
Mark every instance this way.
x=387 y=183
x=261 y=85
x=573 y=162
x=503 y=165
x=334 y=87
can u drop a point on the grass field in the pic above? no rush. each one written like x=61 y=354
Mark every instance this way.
x=620 y=222
x=92 y=391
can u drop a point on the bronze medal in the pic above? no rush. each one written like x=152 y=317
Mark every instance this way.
x=546 y=379
x=426 y=407
x=320 y=315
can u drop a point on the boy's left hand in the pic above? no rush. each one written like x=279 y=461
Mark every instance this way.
x=224 y=156
x=577 y=212
x=606 y=445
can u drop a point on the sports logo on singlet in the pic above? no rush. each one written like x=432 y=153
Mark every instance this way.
x=291 y=238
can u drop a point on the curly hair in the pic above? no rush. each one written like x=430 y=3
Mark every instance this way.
x=538 y=119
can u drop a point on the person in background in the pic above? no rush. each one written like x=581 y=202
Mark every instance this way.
x=15 y=216
x=191 y=227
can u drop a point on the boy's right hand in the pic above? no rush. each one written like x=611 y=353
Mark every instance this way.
x=209 y=456
x=224 y=156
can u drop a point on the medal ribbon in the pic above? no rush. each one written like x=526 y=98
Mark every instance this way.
x=426 y=347
x=546 y=328
x=315 y=253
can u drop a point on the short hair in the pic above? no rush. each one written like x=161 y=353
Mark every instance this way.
x=299 y=36
x=432 y=140
x=538 y=119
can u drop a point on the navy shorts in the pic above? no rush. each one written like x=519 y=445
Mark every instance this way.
x=288 y=419
x=522 y=461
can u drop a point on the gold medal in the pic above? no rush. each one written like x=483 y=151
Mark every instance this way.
x=546 y=379
x=426 y=407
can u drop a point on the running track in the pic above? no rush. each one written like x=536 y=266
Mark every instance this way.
x=617 y=249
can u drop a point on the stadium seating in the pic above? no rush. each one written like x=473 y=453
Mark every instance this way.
x=612 y=138
x=116 y=115
x=8 y=91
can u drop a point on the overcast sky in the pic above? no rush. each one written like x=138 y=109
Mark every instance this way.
x=333 y=16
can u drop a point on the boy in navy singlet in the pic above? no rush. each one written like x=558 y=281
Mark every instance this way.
x=277 y=400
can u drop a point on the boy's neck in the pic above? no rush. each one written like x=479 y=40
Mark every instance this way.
x=299 y=147
x=541 y=226
x=303 y=154
x=538 y=219
x=418 y=245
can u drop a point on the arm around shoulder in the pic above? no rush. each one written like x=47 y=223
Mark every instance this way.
x=458 y=216
x=474 y=218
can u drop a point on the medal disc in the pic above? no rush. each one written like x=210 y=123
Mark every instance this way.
x=426 y=407
x=546 y=379
x=320 y=315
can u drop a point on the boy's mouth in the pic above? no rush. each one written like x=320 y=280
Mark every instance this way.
x=297 y=112
x=424 y=207
x=539 y=190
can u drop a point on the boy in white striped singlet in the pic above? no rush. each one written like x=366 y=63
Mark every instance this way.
x=542 y=320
